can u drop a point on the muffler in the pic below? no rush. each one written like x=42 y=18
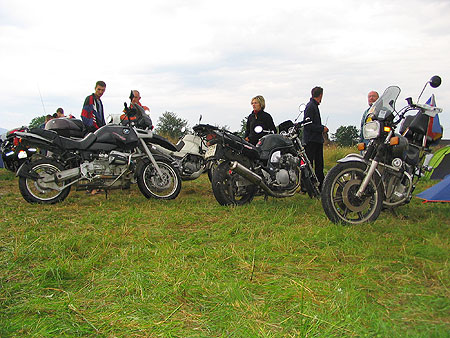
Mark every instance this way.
x=256 y=179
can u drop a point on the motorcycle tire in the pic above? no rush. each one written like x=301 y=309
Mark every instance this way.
x=339 y=200
x=211 y=167
x=226 y=189
x=33 y=191
x=309 y=187
x=151 y=185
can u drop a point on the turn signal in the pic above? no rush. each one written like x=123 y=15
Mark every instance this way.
x=394 y=141
x=387 y=129
x=361 y=146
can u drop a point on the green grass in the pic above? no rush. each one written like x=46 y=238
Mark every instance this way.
x=131 y=267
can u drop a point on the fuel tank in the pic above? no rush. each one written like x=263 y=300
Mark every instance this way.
x=271 y=142
x=121 y=136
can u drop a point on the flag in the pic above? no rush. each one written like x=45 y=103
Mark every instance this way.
x=434 y=126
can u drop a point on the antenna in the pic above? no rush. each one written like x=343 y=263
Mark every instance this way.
x=42 y=101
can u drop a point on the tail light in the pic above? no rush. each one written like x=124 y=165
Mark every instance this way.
x=210 y=137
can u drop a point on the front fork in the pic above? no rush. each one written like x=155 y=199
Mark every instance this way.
x=373 y=166
x=152 y=159
x=365 y=182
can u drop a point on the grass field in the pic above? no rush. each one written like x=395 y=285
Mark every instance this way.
x=131 y=267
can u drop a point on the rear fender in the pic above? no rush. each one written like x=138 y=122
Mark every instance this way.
x=24 y=171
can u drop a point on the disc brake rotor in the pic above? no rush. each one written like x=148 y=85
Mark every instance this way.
x=353 y=203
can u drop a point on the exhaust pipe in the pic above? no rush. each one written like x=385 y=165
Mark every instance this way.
x=256 y=179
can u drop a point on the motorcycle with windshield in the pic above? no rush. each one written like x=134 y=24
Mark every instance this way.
x=102 y=158
x=360 y=186
x=276 y=166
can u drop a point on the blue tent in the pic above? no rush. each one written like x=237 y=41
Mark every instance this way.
x=437 y=193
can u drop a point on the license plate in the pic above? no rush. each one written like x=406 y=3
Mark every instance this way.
x=211 y=151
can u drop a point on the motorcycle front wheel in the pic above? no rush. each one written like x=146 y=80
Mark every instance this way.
x=40 y=190
x=339 y=200
x=152 y=185
x=230 y=188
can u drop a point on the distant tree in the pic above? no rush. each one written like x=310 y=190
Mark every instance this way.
x=37 y=121
x=170 y=125
x=346 y=136
x=241 y=132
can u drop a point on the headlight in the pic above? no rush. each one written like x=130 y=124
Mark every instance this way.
x=371 y=130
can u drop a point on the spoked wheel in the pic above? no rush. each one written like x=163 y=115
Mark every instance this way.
x=339 y=200
x=230 y=188
x=45 y=188
x=152 y=185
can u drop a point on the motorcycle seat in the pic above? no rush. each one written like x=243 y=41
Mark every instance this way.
x=80 y=144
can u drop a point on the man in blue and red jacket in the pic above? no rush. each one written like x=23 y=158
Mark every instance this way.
x=92 y=114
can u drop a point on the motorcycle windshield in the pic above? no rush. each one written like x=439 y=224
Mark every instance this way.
x=384 y=107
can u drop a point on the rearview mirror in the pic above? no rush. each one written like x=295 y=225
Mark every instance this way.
x=435 y=81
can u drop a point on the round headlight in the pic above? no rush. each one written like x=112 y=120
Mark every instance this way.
x=371 y=130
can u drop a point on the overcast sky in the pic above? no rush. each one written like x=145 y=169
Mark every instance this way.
x=211 y=57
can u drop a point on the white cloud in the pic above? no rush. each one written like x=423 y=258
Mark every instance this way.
x=211 y=57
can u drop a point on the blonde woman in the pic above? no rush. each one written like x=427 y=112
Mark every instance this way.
x=258 y=117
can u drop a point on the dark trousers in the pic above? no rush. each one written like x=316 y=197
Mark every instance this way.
x=314 y=151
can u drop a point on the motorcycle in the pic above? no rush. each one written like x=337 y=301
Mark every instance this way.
x=103 y=158
x=276 y=166
x=357 y=189
x=190 y=155
x=189 y=152
x=13 y=152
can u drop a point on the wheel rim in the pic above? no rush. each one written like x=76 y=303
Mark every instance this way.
x=160 y=186
x=37 y=188
x=236 y=188
x=346 y=204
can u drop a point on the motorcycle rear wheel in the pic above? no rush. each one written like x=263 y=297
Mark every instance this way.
x=35 y=191
x=152 y=185
x=339 y=200
x=227 y=188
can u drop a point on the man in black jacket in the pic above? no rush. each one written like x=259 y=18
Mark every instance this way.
x=313 y=133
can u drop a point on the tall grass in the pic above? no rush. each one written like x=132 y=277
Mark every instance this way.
x=131 y=267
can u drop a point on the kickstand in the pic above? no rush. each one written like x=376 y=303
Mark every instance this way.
x=266 y=197
x=106 y=194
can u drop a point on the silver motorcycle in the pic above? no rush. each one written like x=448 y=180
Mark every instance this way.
x=360 y=186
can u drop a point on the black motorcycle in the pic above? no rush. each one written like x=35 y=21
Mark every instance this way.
x=112 y=153
x=276 y=166
x=359 y=186
x=14 y=152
